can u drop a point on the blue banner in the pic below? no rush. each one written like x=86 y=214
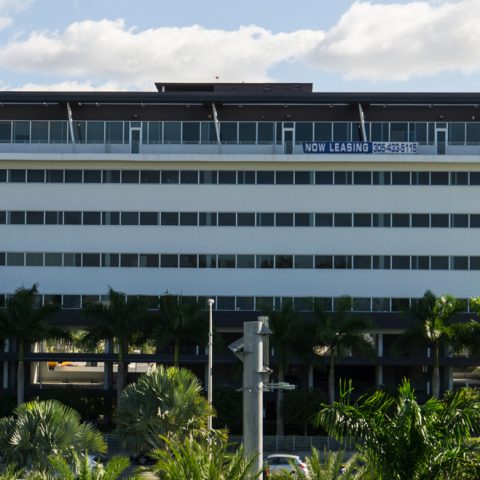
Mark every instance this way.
x=360 y=147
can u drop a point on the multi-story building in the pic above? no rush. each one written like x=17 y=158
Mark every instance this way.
x=247 y=193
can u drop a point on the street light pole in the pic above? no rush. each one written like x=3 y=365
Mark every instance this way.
x=210 y=361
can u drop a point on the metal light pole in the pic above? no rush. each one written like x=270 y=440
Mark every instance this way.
x=210 y=360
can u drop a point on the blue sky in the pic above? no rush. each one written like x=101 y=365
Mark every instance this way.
x=338 y=45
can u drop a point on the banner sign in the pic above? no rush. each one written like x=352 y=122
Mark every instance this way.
x=360 y=147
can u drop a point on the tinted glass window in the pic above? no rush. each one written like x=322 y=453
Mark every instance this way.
x=343 y=178
x=227 y=219
x=191 y=132
x=341 y=132
x=53 y=218
x=324 y=178
x=148 y=261
x=148 y=218
x=323 y=261
x=439 y=220
x=324 y=219
x=245 y=261
x=188 y=261
x=247 y=132
x=129 y=218
x=54 y=176
x=226 y=261
x=264 y=261
x=303 y=219
x=16 y=175
x=382 y=178
x=475 y=220
x=246 y=177
x=15 y=259
x=91 y=218
x=342 y=261
x=283 y=261
x=439 y=178
x=456 y=133
x=459 y=220
x=362 y=220
x=34 y=260
x=92 y=176
x=3 y=217
x=323 y=131
x=111 y=218
x=303 y=131
x=381 y=262
x=420 y=263
x=362 y=178
x=95 y=132
x=421 y=220
x=91 y=259
x=400 y=178
x=53 y=259
x=170 y=176
x=228 y=132
x=265 y=219
x=362 y=262
x=16 y=217
x=169 y=218
x=284 y=178
x=21 y=132
x=172 y=132
x=189 y=176
x=129 y=260
x=207 y=219
x=35 y=176
x=110 y=259
x=473 y=133
x=227 y=177
x=208 y=177
x=111 y=176
x=459 y=263
x=130 y=176
x=303 y=261
x=420 y=178
x=343 y=219
x=72 y=218
x=399 y=132
x=34 y=218
x=169 y=261
x=73 y=176
x=304 y=178
x=149 y=176
x=188 y=218
x=400 y=220
x=439 y=263
x=265 y=178
x=3 y=175
x=245 y=219
x=284 y=220
x=207 y=261
x=5 y=132
x=400 y=262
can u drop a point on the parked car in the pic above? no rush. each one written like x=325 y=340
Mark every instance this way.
x=283 y=462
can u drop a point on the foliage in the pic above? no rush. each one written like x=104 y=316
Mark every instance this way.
x=466 y=336
x=300 y=406
x=338 y=333
x=206 y=460
x=163 y=402
x=39 y=429
x=181 y=319
x=402 y=440
x=228 y=407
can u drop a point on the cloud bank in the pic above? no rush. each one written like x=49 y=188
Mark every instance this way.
x=371 y=41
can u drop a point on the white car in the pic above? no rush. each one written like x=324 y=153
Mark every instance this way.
x=283 y=462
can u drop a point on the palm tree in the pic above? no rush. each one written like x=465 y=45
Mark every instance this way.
x=163 y=402
x=281 y=323
x=81 y=469
x=402 y=440
x=466 y=336
x=38 y=429
x=181 y=319
x=122 y=319
x=433 y=328
x=27 y=324
x=338 y=333
x=207 y=460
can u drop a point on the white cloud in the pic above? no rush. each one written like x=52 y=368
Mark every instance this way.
x=14 y=5
x=106 y=50
x=371 y=41
x=400 y=41
x=66 y=86
x=5 y=22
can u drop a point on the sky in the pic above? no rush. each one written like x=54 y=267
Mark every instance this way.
x=338 y=45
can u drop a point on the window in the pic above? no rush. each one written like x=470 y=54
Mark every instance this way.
x=189 y=176
x=381 y=262
x=264 y=261
x=71 y=301
x=228 y=177
x=265 y=177
x=284 y=219
x=21 y=132
x=207 y=261
x=303 y=132
x=227 y=219
x=474 y=220
x=16 y=176
x=362 y=220
x=148 y=260
x=188 y=218
x=188 y=261
x=246 y=177
x=264 y=303
x=35 y=176
x=362 y=178
x=324 y=178
x=111 y=218
x=92 y=176
x=382 y=178
x=3 y=217
x=323 y=261
x=226 y=261
x=245 y=261
x=245 y=303
x=15 y=259
x=35 y=218
x=439 y=263
x=361 y=304
x=400 y=304
x=72 y=259
x=54 y=218
x=303 y=261
x=114 y=132
x=473 y=133
x=3 y=175
x=304 y=219
x=459 y=220
x=380 y=304
x=343 y=219
x=343 y=178
x=72 y=218
x=34 y=259
x=129 y=260
x=342 y=262
x=110 y=259
x=149 y=176
x=265 y=219
x=420 y=263
x=207 y=219
x=5 y=132
x=266 y=134
x=73 y=176
x=458 y=178
x=363 y=262
x=459 y=263
x=95 y=132
x=169 y=218
x=208 y=133
x=439 y=178
x=172 y=132
x=54 y=176
x=304 y=178
x=16 y=217
x=420 y=220
x=169 y=261
x=170 y=176
x=208 y=177
x=439 y=220
x=191 y=132
x=399 y=132
x=474 y=263
x=283 y=261
x=245 y=219
x=420 y=178
x=400 y=220
x=129 y=218
x=225 y=303
x=284 y=178
x=130 y=176
x=91 y=259
x=247 y=132
x=148 y=218
x=324 y=219
x=228 y=132
x=341 y=132
x=456 y=133
x=53 y=259
x=400 y=178
x=323 y=132
x=400 y=262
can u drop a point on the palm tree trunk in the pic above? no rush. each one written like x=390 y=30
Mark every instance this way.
x=20 y=374
x=120 y=371
x=331 y=379
x=279 y=421
x=436 y=372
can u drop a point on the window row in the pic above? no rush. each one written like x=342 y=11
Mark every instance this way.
x=187 y=132
x=193 y=260
x=241 y=219
x=240 y=177
x=250 y=303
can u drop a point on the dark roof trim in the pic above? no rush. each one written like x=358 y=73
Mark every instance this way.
x=411 y=99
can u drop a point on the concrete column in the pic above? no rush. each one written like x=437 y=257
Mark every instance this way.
x=379 y=369
x=253 y=393
x=108 y=367
x=6 y=379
